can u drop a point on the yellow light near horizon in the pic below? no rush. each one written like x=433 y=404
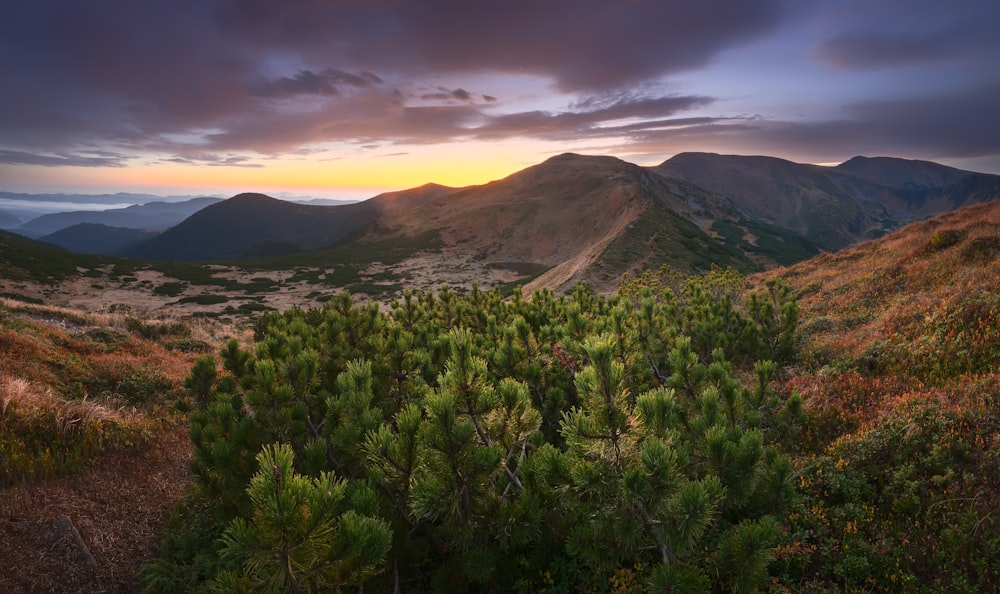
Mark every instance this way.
x=358 y=172
x=450 y=165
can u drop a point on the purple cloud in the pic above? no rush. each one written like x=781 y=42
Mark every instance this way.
x=192 y=79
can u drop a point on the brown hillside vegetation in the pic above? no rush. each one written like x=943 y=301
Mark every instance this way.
x=923 y=301
x=900 y=378
x=562 y=216
x=93 y=454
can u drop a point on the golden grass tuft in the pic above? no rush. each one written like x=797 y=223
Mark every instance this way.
x=24 y=396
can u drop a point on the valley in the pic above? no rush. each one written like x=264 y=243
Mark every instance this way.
x=877 y=418
x=570 y=219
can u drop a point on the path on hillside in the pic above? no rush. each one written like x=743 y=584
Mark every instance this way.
x=118 y=507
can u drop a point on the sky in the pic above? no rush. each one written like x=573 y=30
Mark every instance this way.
x=347 y=98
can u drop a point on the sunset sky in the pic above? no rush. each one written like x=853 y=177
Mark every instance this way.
x=346 y=98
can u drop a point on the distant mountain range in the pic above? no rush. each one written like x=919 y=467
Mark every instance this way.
x=575 y=217
x=9 y=220
x=148 y=216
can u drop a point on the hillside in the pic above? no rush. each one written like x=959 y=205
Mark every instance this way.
x=833 y=206
x=8 y=220
x=838 y=431
x=586 y=218
x=923 y=301
x=28 y=260
x=901 y=339
x=256 y=226
x=148 y=216
x=902 y=173
x=571 y=218
x=94 y=450
x=95 y=238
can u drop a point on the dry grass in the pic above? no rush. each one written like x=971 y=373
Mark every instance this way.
x=898 y=288
x=111 y=462
x=118 y=506
x=23 y=396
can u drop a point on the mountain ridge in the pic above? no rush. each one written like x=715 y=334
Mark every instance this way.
x=149 y=216
x=589 y=218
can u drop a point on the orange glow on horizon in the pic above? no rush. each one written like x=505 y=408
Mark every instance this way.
x=354 y=174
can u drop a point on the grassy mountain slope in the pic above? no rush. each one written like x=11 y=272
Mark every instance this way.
x=243 y=224
x=902 y=173
x=899 y=457
x=8 y=220
x=257 y=226
x=834 y=206
x=585 y=218
x=924 y=301
x=91 y=443
x=830 y=208
x=24 y=259
x=95 y=238
x=899 y=378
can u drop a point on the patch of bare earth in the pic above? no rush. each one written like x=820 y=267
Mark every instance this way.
x=92 y=532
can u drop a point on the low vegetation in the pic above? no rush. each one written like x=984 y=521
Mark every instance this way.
x=686 y=433
x=472 y=442
x=74 y=385
x=829 y=427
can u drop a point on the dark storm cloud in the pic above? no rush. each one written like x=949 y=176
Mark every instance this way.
x=208 y=81
x=959 y=124
x=113 y=71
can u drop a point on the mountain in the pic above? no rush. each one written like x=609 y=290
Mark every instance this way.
x=587 y=218
x=29 y=260
x=150 y=216
x=926 y=188
x=94 y=238
x=834 y=206
x=9 y=220
x=255 y=225
x=584 y=218
x=902 y=173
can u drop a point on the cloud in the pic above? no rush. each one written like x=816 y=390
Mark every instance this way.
x=881 y=34
x=222 y=82
x=580 y=44
x=377 y=118
x=330 y=81
x=214 y=160
x=131 y=74
x=443 y=94
x=944 y=126
x=873 y=51
x=61 y=160
x=588 y=118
